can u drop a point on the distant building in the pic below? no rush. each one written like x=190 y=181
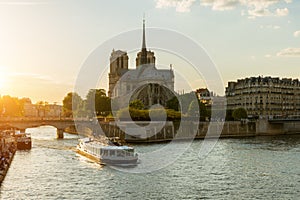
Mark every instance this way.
x=30 y=110
x=53 y=110
x=149 y=84
x=205 y=96
x=265 y=96
x=41 y=110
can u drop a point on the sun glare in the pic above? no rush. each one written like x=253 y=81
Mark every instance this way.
x=2 y=80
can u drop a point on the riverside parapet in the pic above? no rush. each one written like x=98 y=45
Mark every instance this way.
x=199 y=130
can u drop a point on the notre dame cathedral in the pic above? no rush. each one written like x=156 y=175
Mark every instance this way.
x=146 y=82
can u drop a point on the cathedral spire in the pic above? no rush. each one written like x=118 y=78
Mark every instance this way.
x=144 y=37
x=144 y=50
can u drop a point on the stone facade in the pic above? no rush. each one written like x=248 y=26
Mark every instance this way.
x=265 y=96
x=205 y=96
x=44 y=110
x=145 y=82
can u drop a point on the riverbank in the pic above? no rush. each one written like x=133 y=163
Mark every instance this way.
x=147 y=132
x=8 y=149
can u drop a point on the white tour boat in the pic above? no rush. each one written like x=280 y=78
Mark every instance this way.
x=107 y=154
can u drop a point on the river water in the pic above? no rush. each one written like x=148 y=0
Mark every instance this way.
x=249 y=168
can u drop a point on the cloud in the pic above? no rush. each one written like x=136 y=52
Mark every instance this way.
x=275 y=27
x=297 y=33
x=179 y=5
x=282 y=12
x=254 y=8
x=261 y=8
x=220 y=4
x=289 y=52
x=268 y=56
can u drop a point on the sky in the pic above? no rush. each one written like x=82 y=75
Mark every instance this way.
x=45 y=43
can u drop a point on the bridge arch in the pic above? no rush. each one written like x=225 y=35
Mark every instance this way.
x=60 y=124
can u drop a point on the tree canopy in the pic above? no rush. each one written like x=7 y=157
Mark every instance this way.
x=137 y=104
x=11 y=106
x=72 y=104
x=197 y=109
x=239 y=114
x=97 y=103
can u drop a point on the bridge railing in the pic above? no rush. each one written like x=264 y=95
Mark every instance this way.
x=5 y=119
x=284 y=118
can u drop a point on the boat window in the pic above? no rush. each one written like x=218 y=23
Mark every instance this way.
x=105 y=153
x=128 y=153
x=112 y=153
x=120 y=153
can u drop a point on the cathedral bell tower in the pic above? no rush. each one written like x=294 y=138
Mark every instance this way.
x=118 y=67
x=144 y=57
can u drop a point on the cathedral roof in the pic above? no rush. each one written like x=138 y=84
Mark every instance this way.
x=148 y=72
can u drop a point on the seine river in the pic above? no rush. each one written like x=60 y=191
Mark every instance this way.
x=250 y=168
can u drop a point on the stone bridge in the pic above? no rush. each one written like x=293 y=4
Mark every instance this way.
x=59 y=123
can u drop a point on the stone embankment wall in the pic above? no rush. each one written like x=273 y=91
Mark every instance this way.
x=199 y=130
x=8 y=148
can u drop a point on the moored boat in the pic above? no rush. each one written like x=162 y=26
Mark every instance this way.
x=107 y=154
x=23 y=141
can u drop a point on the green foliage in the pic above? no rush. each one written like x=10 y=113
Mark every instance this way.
x=229 y=115
x=11 y=106
x=197 y=109
x=144 y=115
x=173 y=115
x=194 y=109
x=239 y=114
x=173 y=104
x=137 y=104
x=72 y=104
x=134 y=114
x=97 y=103
x=185 y=101
x=158 y=114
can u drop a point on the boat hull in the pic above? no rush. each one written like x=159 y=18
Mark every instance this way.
x=24 y=145
x=89 y=156
x=116 y=162
x=120 y=162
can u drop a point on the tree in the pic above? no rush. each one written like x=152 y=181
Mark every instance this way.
x=136 y=104
x=239 y=114
x=229 y=115
x=193 y=109
x=197 y=109
x=173 y=104
x=186 y=100
x=158 y=114
x=98 y=103
x=11 y=106
x=72 y=104
x=134 y=114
